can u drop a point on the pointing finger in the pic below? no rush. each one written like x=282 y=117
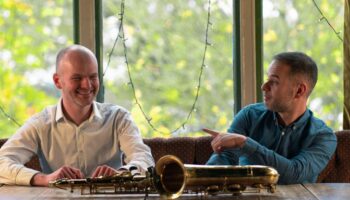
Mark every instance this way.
x=211 y=132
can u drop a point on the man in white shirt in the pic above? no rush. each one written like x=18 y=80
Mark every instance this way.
x=78 y=137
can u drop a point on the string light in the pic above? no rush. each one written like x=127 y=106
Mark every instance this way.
x=131 y=83
x=324 y=18
x=209 y=23
x=9 y=118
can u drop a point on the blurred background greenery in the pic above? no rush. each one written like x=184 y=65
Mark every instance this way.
x=165 y=43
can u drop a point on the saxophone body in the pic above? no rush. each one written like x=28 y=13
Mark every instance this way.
x=170 y=178
x=121 y=183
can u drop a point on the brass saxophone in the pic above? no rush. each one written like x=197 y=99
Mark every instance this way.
x=170 y=178
x=120 y=183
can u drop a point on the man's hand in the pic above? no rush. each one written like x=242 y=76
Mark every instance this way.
x=63 y=172
x=103 y=171
x=223 y=141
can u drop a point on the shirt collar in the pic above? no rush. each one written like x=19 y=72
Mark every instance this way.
x=95 y=111
x=303 y=118
x=59 y=111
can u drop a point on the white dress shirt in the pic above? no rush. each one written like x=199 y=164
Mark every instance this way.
x=100 y=140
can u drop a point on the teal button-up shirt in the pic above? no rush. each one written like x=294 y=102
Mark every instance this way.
x=299 y=152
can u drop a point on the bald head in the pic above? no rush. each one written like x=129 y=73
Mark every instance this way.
x=74 y=52
x=77 y=78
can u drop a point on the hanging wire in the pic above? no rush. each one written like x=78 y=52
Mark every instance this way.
x=9 y=117
x=327 y=21
x=122 y=36
x=121 y=30
x=121 y=14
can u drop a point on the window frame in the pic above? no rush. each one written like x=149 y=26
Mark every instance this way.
x=247 y=47
x=247 y=53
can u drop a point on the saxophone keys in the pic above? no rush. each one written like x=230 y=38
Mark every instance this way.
x=271 y=188
x=213 y=189
x=236 y=189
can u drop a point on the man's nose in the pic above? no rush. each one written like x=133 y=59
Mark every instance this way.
x=264 y=86
x=85 y=83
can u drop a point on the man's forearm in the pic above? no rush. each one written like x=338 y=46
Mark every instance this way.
x=39 y=179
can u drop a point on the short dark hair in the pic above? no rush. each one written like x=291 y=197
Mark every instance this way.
x=300 y=63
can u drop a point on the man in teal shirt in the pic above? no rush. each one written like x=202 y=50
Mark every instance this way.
x=281 y=132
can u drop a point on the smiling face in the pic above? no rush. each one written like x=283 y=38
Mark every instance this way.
x=77 y=78
x=280 y=88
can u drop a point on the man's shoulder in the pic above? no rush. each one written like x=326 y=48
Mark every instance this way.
x=256 y=108
x=46 y=115
x=319 y=125
x=111 y=108
x=42 y=119
x=253 y=113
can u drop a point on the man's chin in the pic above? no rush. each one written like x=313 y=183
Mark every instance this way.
x=267 y=105
x=86 y=101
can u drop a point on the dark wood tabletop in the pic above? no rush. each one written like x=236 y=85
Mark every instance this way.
x=323 y=191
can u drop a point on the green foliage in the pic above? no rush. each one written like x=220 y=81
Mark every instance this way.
x=165 y=44
x=31 y=32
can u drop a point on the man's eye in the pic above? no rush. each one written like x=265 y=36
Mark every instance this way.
x=271 y=81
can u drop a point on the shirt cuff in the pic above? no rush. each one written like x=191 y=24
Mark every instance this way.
x=132 y=168
x=25 y=175
x=128 y=167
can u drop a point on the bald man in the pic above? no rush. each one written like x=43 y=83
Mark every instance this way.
x=78 y=137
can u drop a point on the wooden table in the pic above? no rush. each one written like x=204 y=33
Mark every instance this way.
x=332 y=191
x=323 y=191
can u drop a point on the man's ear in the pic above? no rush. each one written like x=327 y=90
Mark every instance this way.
x=56 y=80
x=301 y=90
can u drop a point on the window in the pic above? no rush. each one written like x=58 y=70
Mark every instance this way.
x=31 y=33
x=299 y=26
x=165 y=43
